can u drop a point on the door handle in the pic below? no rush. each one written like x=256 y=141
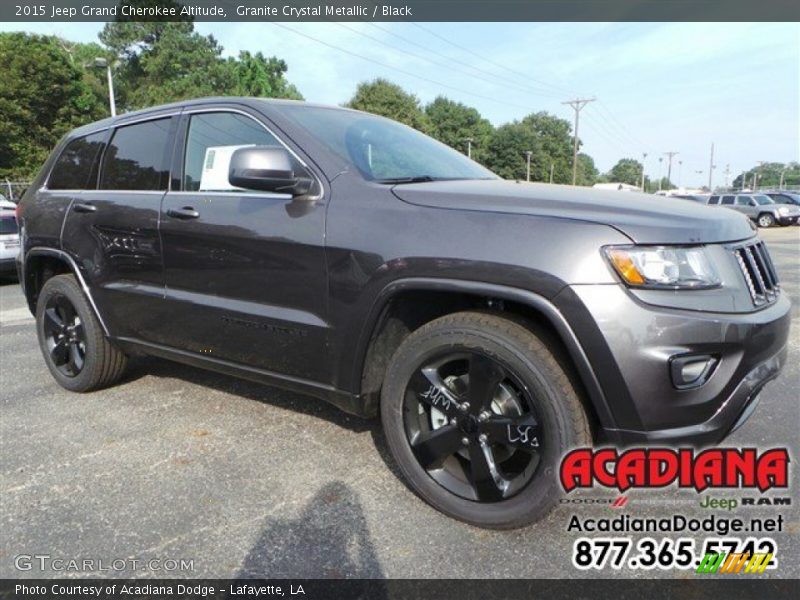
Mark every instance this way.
x=81 y=207
x=187 y=212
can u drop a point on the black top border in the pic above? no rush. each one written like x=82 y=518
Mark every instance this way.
x=405 y=10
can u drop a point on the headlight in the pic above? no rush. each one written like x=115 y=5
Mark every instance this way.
x=784 y=210
x=663 y=267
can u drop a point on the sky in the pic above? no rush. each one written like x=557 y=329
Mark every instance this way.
x=659 y=87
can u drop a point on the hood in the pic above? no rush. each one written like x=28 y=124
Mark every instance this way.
x=644 y=218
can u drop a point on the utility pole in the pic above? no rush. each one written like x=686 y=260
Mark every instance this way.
x=528 y=170
x=644 y=158
x=757 y=174
x=711 y=168
x=727 y=174
x=780 y=185
x=553 y=166
x=469 y=141
x=669 y=156
x=680 y=172
x=577 y=104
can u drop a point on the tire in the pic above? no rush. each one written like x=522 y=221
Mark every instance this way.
x=531 y=382
x=766 y=220
x=73 y=344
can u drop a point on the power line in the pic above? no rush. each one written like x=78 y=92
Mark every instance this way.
x=491 y=62
x=404 y=72
x=505 y=79
x=427 y=58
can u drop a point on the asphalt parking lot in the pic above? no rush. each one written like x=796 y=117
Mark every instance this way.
x=246 y=480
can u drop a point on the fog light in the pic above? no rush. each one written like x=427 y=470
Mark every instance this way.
x=691 y=370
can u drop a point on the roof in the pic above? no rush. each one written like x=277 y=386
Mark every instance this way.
x=253 y=102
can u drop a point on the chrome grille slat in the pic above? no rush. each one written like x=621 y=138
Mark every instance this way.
x=758 y=271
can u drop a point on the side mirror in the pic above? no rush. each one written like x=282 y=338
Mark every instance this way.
x=267 y=169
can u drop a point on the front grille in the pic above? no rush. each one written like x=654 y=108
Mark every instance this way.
x=759 y=272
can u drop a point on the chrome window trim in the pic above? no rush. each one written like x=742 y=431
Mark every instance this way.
x=193 y=111
x=114 y=126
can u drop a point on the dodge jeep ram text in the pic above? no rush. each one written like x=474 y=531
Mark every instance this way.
x=494 y=325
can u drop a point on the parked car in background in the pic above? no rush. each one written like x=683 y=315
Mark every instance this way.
x=784 y=197
x=759 y=207
x=9 y=237
x=493 y=325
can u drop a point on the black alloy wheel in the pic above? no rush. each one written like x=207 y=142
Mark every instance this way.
x=65 y=335
x=472 y=426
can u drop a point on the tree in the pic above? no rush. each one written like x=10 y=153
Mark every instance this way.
x=453 y=123
x=168 y=61
x=627 y=170
x=587 y=171
x=769 y=175
x=507 y=148
x=555 y=136
x=547 y=138
x=384 y=98
x=256 y=75
x=43 y=94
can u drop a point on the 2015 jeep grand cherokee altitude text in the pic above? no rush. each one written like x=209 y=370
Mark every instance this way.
x=494 y=325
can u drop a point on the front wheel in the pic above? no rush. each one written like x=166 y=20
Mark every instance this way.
x=72 y=341
x=477 y=413
x=766 y=220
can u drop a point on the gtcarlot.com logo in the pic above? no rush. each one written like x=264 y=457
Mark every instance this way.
x=47 y=562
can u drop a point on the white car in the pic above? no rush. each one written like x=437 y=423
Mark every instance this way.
x=9 y=237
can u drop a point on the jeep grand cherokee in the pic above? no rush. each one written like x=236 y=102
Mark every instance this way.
x=492 y=324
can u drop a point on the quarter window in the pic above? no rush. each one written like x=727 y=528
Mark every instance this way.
x=138 y=157
x=76 y=167
x=212 y=140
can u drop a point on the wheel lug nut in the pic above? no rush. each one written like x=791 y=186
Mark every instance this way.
x=483 y=417
x=453 y=421
x=463 y=407
x=465 y=441
x=482 y=438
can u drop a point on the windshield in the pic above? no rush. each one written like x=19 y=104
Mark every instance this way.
x=762 y=200
x=383 y=150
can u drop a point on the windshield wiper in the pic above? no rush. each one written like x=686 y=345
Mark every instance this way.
x=400 y=180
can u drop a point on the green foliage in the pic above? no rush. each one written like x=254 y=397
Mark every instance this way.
x=453 y=123
x=256 y=75
x=546 y=136
x=507 y=149
x=587 y=171
x=769 y=175
x=627 y=170
x=44 y=93
x=381 y=97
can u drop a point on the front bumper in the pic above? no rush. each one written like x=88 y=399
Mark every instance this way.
x=787 y=220
x=634 y=342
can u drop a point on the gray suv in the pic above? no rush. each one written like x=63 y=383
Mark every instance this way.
x=759 y=207
x=493 y=325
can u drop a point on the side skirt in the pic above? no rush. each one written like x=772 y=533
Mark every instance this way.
x=347 y=402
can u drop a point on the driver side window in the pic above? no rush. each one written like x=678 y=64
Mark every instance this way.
x=211 y=141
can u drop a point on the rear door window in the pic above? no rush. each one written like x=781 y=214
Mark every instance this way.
x=743 y=200
x=713 y=200
x=137 y=157
x=76 y=167
x=727 y=200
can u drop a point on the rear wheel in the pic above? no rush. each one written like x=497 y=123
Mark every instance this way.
x=766 y=220
x=72 y=341
x=477 y=413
